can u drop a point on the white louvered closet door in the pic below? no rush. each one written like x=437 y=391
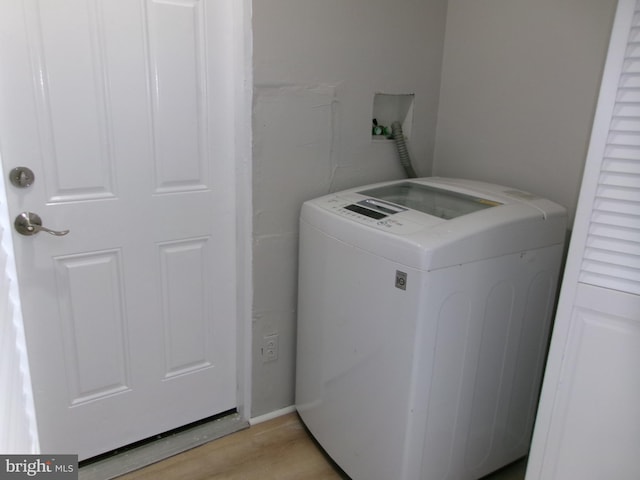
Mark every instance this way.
x=588 y=424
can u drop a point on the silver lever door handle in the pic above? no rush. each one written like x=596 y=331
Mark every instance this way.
x=29 y=223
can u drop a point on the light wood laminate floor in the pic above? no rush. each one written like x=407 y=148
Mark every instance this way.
x=280 y=449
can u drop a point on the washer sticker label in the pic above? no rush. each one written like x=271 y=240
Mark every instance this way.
x=401 y=280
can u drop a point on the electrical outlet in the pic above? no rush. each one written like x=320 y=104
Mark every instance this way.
x=269 y=348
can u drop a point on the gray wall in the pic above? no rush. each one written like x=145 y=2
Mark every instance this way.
x=519 y=86
x=317 y=66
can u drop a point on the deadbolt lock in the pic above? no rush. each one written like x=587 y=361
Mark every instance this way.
x=21 y=177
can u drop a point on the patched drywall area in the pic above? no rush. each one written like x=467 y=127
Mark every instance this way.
x=519 y=87
x=317 y=69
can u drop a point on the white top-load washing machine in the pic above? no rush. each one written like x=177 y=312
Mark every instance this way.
x=423 y=320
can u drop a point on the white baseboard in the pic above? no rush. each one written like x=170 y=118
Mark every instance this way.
x=272 y=415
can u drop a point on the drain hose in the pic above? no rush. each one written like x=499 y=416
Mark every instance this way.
x=403 y=152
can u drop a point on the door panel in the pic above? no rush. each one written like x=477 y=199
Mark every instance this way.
x=71 y=94
x=90 y=296
x=186 y=305
x=177 y=63
x=130 y=318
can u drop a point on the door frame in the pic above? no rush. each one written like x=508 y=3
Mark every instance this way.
x=242 y=40
x=239 y=64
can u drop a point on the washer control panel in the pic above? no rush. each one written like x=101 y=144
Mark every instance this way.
x=372 y=212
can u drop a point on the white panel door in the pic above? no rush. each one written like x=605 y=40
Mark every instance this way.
x=119 y=108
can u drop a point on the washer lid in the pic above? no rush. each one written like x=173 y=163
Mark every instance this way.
x=438 y=202
x=431 y=223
